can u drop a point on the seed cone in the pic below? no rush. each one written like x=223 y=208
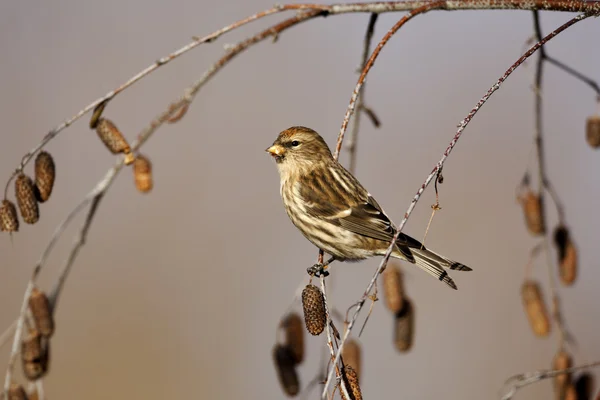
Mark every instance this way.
x=584 y=385
x=393 y=289
x=535 y=308
x=533 y=208
x=592 y=131
x=45 y=173
x=351 y=380
x=35 y=355
x=41 y=312
x=294 y=336
x=286 y=372
x=351 y=355
x=112 y=137
x=25 y=193
x=567 y=255
x=9 y=221
x=142 y=172
x=313 y=304
x=404 y=327
x=16 y=392
x=562 y=360
x=570 y=393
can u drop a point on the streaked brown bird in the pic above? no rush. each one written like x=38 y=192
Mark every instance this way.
x=336 y=213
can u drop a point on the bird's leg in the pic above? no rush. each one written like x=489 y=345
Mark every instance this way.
x=320 y=267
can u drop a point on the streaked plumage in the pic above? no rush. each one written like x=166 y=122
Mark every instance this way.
x=335 y=212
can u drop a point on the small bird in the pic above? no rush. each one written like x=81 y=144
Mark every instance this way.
x=336 y=213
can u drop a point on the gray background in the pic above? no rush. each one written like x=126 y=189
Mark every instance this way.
x=178 y=293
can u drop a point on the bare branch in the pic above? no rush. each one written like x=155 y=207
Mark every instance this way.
x=516 y=382
x=461 y=127
x=352 y=139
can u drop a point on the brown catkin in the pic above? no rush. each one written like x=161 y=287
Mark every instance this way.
x=567 y=255
x=570 y=392
x=286 y=371
x=592 y=131
x=351 y=354
x=45 y=173
x=313 y=304
x=351 y=380
x=584 y=386
x=25 y=194
x=112 y=137
x=41 y=312
x=393 y=291
x=294 y=336
x=9 y=220
x=562 y=360
x=533 y=208
x=535 y=308
x=142 y=172
x=404 y=326
x=16 y=392
x=35 y=355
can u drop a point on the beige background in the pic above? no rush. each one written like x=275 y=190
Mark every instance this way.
x=178 y=293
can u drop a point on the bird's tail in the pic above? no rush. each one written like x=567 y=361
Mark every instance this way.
x=434 y=264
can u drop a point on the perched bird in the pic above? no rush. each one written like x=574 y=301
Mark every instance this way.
x=335 y=212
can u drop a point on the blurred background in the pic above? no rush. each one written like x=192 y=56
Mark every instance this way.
x=178 y=293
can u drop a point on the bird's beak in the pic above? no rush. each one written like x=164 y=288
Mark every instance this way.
x=276 y=150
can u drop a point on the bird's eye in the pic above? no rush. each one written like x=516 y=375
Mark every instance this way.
x=295 y=143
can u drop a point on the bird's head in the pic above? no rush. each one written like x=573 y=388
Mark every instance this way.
x=298 y=148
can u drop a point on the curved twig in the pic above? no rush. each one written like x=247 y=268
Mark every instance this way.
x=461 y=127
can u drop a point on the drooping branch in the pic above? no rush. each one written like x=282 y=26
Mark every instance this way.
x=461 y=127
x=353 y=138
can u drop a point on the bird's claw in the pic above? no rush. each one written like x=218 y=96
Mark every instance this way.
x=317 y=270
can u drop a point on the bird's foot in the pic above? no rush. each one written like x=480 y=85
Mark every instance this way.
x=317 y=270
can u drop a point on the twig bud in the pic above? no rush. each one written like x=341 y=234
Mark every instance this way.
x=567 y=255
x=533 y=208
x=286 y=372
x=25 y=194
x=535 y=308
x=404 y=326
x=41 y=312
x=9 y=221
x=112 y=137
x=351 y=380
x=142 y=173
x=35 y=355
x=45 y=173
x=351 y=355
x=313 y=304
x=16 y=392
x=294 y=336
x=562 y=360
x=592 y=131
x=392 y=288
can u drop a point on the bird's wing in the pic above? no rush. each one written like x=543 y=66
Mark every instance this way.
x=334 y=195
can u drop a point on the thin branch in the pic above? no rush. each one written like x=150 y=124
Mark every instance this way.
x=461 y=127
x=367 y=67
x=353 y=137
x=516 y=382
x=585 y=79
x=334 y=366
x=544 y=182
